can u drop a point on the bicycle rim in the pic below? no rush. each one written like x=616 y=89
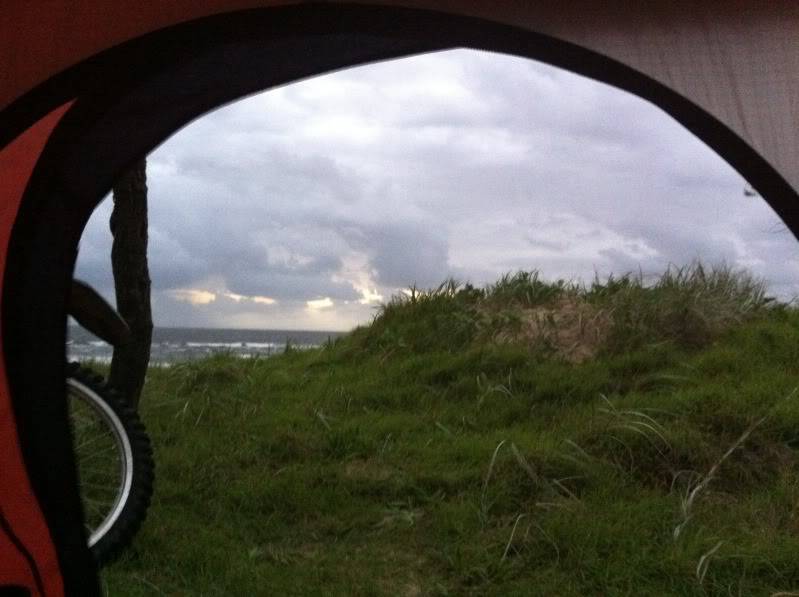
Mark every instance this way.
x=104 y=458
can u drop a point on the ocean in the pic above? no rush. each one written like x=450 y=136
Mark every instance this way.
x=174 y=345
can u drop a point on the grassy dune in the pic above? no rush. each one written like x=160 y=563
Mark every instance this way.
x=521 y=439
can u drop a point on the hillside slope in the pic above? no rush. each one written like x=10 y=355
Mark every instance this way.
x=523 y=439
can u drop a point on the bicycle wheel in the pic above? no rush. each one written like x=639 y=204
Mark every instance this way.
x=114 y=460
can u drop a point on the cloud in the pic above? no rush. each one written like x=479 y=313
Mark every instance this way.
x=261 y=300
x=192 y=296
x=347 y=188
x=319 y=304
x=400 y=253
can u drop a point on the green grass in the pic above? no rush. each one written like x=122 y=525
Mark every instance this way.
x=460 y=445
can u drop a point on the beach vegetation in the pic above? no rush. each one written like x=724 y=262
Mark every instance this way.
x=631 y=436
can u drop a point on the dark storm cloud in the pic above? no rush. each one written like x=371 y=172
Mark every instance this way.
x=402 y=254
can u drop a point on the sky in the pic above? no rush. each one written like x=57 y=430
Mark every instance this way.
x=306 y=206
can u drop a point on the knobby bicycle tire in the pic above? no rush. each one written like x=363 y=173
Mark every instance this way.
x=114 y=459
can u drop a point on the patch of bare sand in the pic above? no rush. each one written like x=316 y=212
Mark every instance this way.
x=571 y=327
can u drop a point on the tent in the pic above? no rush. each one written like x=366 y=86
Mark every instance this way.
x=87 y=87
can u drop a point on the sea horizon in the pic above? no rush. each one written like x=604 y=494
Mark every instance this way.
x=172 y=344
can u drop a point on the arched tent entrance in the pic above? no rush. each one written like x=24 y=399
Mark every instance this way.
x=87 y=89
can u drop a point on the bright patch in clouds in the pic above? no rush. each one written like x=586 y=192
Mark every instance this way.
x=320 y=304
x=356 y=272
x=205 y=297
x=369 y=296
x=261 y=300
x=193 y=297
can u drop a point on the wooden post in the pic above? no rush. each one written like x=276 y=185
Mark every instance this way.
x=131 y=282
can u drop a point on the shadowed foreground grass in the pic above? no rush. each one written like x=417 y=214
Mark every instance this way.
x=523 y=439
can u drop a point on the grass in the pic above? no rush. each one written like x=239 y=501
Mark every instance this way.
x=527 y=438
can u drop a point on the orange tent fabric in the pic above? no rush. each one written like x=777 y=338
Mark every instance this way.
x=17 y=502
